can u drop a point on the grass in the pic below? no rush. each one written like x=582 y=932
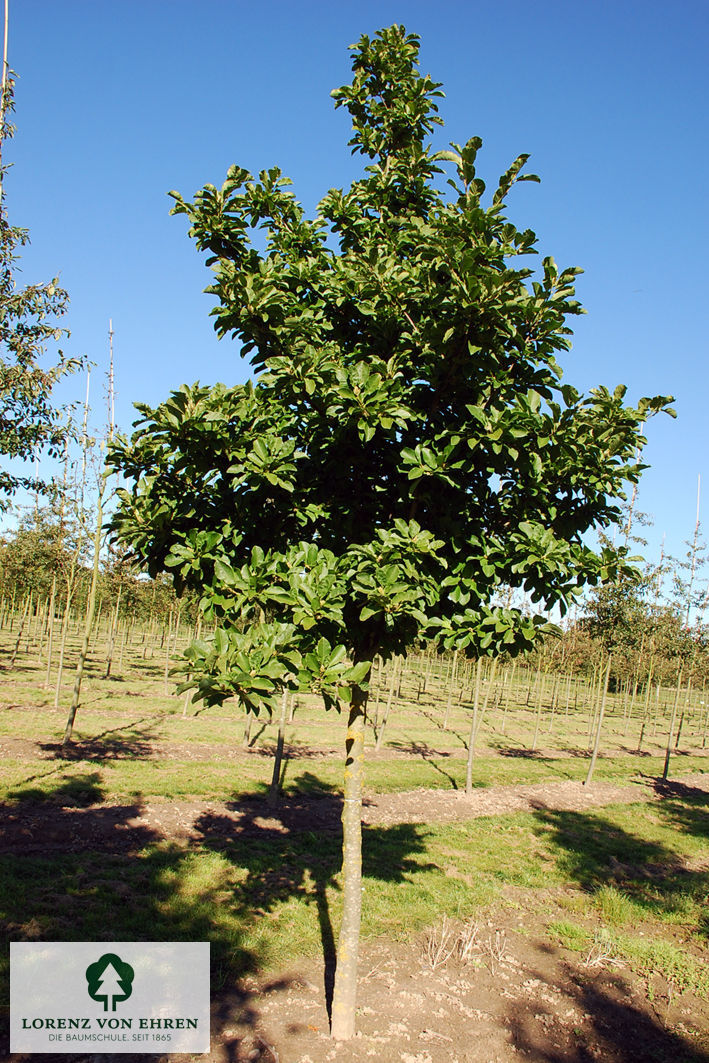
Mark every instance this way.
x=263 y=902
x=644 y=956
x=639 y=873
x=680 y=969
x=250 y=773
x=570 y=935
x=223 y=780
x=615 y=907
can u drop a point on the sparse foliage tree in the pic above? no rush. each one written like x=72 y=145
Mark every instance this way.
x=29 y=315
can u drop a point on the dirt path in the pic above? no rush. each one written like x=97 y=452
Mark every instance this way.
x=65 y=824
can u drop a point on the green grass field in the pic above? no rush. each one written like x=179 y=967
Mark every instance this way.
x=630 y=879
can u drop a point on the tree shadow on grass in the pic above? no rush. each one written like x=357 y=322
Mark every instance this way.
x=112 y=744
x=294 y=752
x=77 y=790
x=594 y=851
x=526 y=754
x=304 y=835
x=579 y=752
x=95 y=873
x=437 y=720
x=428 y=755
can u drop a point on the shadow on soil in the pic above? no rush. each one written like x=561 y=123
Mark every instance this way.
x=113 y=744
x=75 y=873
x=621 y=1030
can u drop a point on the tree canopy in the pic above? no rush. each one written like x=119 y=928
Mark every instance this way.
x=408 y=447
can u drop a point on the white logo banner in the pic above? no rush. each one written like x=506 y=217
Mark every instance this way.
x=99 y=997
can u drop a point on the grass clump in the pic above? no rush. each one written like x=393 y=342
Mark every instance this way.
x=570 y=935
x=615 y=907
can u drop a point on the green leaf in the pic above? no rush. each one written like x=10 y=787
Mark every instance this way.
x=225 y=573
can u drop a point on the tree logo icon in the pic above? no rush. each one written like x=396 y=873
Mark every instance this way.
x=110 y=980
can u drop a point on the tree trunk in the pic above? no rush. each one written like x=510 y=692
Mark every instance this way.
x=345 y=994
x=66 y=619
x=540 y=702
x=90 y=611
x=668 y=752
x=592 y=765
x=275 y=787
x=22 y=627
x=247 y=727
x=50 y=633
x=392 y=684
x=112 y=635
x=473 y=729
x=167 y=653
x=508 y=695
x=451 y=685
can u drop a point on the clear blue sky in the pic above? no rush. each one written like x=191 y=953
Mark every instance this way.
x=119 y=101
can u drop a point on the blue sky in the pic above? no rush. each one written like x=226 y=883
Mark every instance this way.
x=119 y=101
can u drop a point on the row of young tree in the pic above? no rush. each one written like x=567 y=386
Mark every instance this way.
x=43 y=559
x=643 y=621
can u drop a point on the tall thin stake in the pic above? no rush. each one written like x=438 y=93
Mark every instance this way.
x=693 y=566
x=592 y=765
x=3 y=94
x=668 y=752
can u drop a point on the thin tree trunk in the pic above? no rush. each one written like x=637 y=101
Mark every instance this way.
x=22 y=627
x=124 y=637
x=668 y=752
x=42 y=628
x=597 y=697
x=112 y=635
x=247 y=727
x=542 y=682
x=451 y=682
x=167 y=653
x=374 y=715
x=62 y=645
x=90 y=610
x=50 y=634
x=480 y=716
x=275 y=787
x=554 y=699
x=392 y=684
x=473 y=729
x=345 y=993
x=592 y=765
x=657 y=710
x=646 y=708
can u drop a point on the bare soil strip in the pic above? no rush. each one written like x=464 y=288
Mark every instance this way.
x=44 y=826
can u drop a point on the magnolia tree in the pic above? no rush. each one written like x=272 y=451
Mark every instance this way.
x=406 y=447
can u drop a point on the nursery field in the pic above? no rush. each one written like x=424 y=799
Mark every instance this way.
x=533 y=918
